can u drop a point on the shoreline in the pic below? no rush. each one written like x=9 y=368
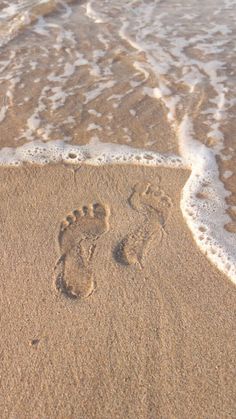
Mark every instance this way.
x=155 y=338
x=203 y=202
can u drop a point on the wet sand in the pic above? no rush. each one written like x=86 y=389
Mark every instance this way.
x=136 y=324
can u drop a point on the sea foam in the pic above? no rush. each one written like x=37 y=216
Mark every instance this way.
x=94 y=153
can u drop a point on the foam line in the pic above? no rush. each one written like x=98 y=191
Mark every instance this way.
x=94 y=153
x=203 y=203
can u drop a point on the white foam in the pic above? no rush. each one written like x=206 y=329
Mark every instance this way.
x=94 y=153
x=8 y=11
x=13 y=18
x=203 y=204
x=94 y=112
x=58 y=97
x=93 y=94
x=141 y=68
x=227 y=174
x=92 y=127
x=103 y=40
x=92 y=14
x=3 y=112
x=33 y=122
x=69 y=70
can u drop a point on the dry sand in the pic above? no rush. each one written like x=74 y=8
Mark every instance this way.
x=152 y=331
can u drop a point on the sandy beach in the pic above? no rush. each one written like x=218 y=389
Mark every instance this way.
x=117 y=209
x=135 y=323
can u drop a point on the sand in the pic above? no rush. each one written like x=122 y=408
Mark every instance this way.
x=114 y=313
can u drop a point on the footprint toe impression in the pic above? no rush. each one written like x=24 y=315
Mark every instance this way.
x=78 y=238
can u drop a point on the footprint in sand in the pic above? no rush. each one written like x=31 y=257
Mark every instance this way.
x=154 y=204
x=78 y=237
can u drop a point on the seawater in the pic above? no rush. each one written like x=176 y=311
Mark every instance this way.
x=79 y=81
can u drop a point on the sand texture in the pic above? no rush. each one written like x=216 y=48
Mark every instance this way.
x=108 y=309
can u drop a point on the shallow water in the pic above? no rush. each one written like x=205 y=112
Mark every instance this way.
x=148 y=82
